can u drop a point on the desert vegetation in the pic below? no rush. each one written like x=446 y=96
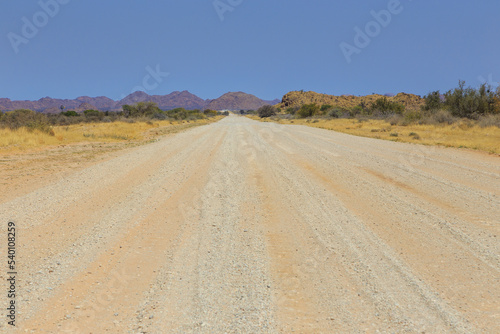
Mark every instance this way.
x=481 y=105
x=141 y=111
x=462 y=117
x=267 y=111
x=21 y=129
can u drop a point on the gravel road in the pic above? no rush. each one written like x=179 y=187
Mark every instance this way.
x=248 y=227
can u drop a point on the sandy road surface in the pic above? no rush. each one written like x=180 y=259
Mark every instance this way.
x=248 y=227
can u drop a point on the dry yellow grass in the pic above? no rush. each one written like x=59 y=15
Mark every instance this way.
x=12 y=141
x=460 y=135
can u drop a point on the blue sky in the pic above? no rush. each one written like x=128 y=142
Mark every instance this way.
x=262 y=47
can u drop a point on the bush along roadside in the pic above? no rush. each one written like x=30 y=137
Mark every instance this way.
x=142 y=111
x=481 y=105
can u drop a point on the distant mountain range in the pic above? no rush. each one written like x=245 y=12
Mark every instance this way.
x=184 y=99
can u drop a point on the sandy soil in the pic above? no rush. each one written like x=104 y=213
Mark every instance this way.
x=248 y=227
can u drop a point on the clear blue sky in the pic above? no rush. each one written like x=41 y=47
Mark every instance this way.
x=262 y=47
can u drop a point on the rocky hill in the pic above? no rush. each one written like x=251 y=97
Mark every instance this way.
x=85 y=106
x=175 y=99
x=237 y=101
x=100 y=102
x=184 y=99
x=39 y=105
x=299 y=98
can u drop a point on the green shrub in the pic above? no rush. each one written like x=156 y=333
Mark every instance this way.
x=210 y=113
x=70 y=113
x=160 y=116
x=177 y=113
x=414 y=135
x=384 y=106
x=266 y=111
x=29 y=119
x=336 y=112
x=93 y=115
x=140 y=109
x=308 y=110
x=411 y=117
x=333 y=113
x=470 y=102
x=358 y=111
x=326 y=107
x=432 y=101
